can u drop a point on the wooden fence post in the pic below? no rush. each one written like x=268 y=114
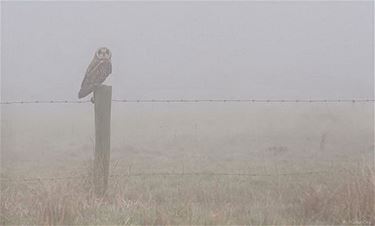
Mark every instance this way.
x=103 y=100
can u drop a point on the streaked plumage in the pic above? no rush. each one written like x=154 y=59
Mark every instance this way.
x=98 y=70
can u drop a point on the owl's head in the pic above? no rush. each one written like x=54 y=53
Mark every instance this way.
x=103 y=53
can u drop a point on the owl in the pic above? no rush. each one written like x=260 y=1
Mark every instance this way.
x=98 y=70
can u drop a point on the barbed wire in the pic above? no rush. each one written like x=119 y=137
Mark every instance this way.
x=47 y=102
x=195 y=101
x=31 y=179
x=243 y=100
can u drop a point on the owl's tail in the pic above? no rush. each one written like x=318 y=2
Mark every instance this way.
x=83 y=93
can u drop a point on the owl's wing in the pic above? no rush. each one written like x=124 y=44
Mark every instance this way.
x=92 y=64
x=95 y=77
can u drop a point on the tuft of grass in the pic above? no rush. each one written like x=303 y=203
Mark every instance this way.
x=351 y=201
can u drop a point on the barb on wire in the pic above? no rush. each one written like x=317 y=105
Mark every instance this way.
x=196 y=101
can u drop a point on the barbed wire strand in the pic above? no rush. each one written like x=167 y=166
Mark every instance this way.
x=164 y=174
x=47 y=102
x=195 y=101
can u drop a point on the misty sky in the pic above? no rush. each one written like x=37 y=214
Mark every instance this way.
x=190 y=49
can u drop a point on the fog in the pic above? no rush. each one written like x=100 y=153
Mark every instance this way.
x=190 y=49
x=240 y=163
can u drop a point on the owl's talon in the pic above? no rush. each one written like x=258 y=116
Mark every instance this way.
x=92 y=100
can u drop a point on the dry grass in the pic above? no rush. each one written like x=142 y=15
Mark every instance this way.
x=351 y=202
x=348 y=199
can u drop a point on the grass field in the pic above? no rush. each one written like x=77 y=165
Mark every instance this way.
x=301 y=164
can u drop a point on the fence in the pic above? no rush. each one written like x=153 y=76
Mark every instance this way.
x=104 y=149
x=163 y=174
x=196 y=101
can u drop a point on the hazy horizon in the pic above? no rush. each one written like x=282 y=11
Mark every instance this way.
x=190 y=49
